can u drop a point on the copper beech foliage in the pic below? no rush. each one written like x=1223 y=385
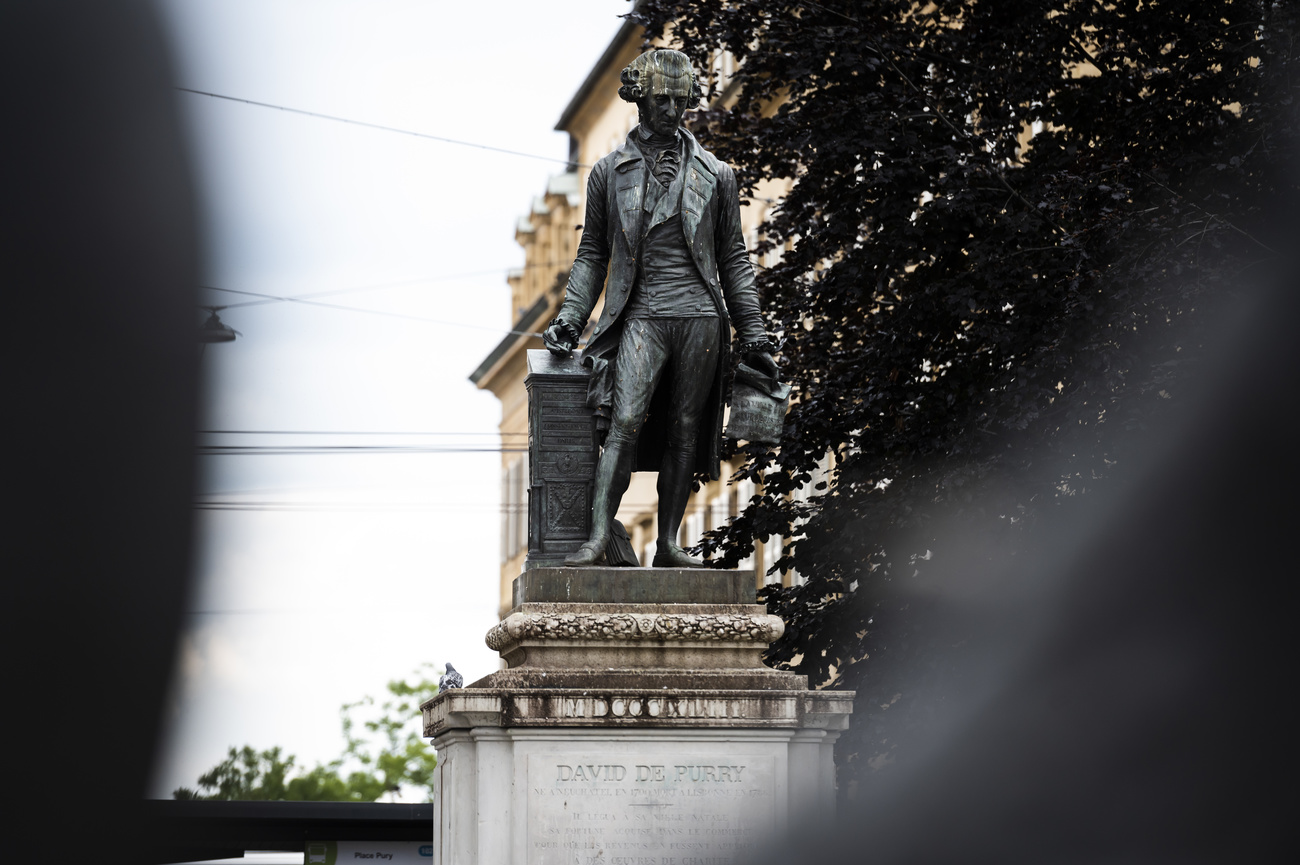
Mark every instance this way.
x=1009 y=227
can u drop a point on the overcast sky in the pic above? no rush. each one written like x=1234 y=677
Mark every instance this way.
x=321 y=577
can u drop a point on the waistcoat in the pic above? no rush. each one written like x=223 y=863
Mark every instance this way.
x=668 y=284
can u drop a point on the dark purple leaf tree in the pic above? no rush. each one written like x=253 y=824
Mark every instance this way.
x=1009 y=226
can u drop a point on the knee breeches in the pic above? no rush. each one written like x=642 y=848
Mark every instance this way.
x=680 y=354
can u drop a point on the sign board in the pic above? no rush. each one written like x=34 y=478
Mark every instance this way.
x=375 y=852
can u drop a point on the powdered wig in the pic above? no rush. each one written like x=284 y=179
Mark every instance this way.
x=638 y=76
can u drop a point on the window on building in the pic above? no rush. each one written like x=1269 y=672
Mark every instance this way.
x=693 y=527
x=719 y=511
x=505 y=515
x=521 y=513
x=744 y=492
x=514 y=508
x=820 y=474
x=771 y=554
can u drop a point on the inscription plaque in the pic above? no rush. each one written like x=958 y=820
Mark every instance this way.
x=653 y=809
x=566 y=510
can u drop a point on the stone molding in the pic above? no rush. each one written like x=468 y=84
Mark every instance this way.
x=658 y=627
x=492 y=707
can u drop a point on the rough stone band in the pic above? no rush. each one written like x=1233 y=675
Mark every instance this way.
x=677 y=627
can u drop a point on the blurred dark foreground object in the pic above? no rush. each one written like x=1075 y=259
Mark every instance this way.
x=1126 y=688
x=182 y=831
x=99 y=271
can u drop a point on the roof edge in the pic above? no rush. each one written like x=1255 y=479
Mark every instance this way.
x=530 y=317
x=589 y=84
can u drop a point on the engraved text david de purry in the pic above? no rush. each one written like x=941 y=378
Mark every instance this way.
x=647 y=809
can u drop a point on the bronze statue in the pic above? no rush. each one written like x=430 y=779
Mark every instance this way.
x=663 y=224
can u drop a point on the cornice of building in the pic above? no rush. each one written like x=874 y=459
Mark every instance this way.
x=629 y=30
x=526 y=324
x=564 y=186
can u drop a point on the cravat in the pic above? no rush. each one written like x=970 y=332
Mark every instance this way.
x=666 y=165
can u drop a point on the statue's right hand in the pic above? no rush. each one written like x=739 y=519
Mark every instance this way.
x=558 y=339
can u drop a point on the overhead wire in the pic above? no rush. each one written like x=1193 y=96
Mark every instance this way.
x=384 y=128
x=358 y=288
x=316 y=613
x=510 y=443
x=373 y=311
x=285 y=432
x=298 y=450
x=267 y=298
x=330 y=507
x=324 y=507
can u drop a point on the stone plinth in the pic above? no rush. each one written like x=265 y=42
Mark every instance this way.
x=566 y=585
x=637 y=725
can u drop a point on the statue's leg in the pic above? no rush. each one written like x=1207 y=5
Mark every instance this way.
x=642 y=355
x=692 y=369
x=674 y=489
x=613 y=474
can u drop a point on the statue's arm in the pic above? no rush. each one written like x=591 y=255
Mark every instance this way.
x=734 y=267
x=587 y=276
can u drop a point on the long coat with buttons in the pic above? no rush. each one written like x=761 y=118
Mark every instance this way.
x=607 y=258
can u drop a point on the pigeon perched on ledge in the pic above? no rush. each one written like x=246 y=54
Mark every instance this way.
x=450 y=679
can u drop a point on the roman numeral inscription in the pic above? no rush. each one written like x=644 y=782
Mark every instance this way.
x=653 y=808
x=650 y=707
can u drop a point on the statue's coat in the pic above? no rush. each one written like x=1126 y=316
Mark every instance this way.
x=607 y=258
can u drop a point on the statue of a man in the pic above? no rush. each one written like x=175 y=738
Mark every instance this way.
x=662 y=237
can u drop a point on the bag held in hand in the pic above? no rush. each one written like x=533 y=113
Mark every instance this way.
x=758 y=406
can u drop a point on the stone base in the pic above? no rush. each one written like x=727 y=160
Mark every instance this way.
x=668 y=708
x=635 y=636
x=637 y=725
x=607 y=797
x=565 y=585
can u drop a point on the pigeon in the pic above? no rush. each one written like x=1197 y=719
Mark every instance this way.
x=450 y=679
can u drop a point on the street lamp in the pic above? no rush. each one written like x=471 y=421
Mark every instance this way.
x=214 y=330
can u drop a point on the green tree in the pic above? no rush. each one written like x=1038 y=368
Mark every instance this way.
x=383 y=752
x=1012 y=228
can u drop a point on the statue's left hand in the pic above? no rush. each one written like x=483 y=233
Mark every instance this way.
x=763 y=362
